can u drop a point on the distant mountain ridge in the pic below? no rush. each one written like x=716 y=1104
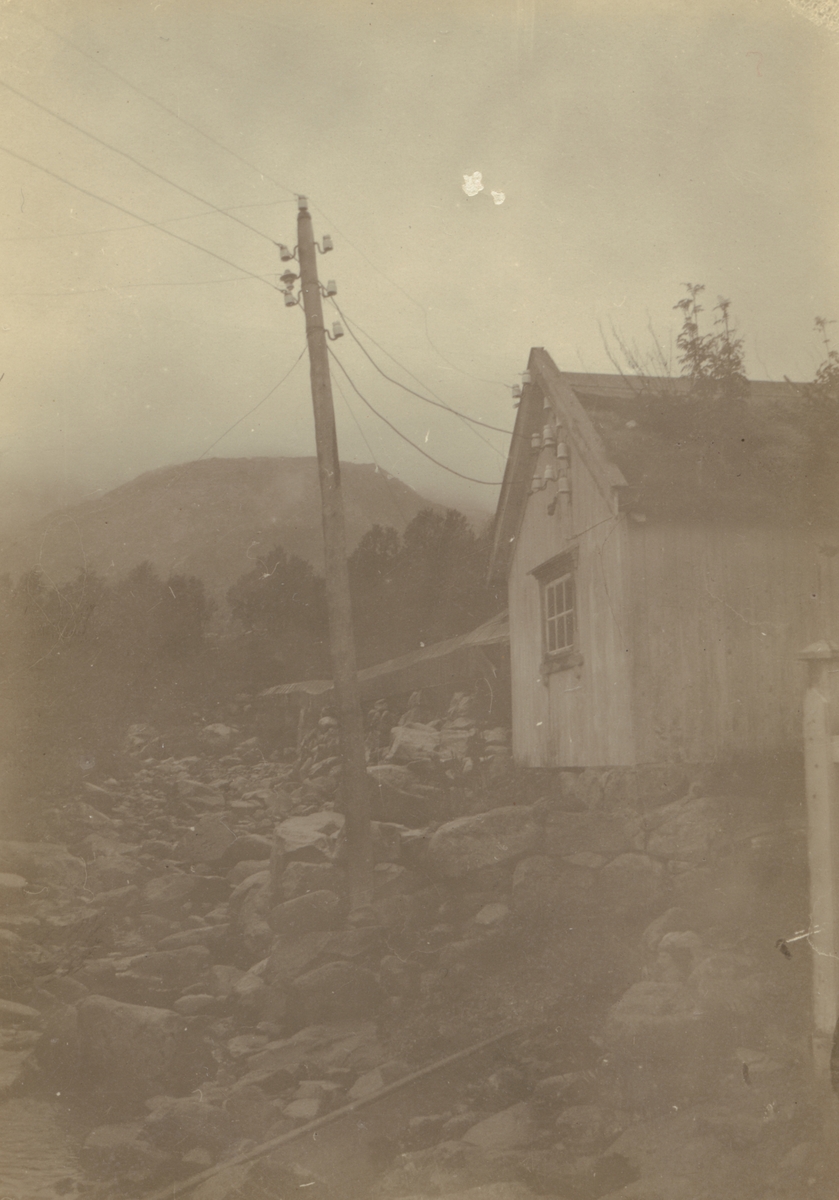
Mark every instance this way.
x=211 y=518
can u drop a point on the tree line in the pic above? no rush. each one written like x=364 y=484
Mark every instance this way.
x=82 y=660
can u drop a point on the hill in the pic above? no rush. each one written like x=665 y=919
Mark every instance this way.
x=209 y=518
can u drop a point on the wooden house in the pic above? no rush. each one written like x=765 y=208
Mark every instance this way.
x=666 y=565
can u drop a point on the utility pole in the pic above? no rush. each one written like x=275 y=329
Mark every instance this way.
x=354 y=778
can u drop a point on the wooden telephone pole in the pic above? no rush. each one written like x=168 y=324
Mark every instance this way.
x=354 y=778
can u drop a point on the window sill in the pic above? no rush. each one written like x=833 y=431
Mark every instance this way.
x=562 y=662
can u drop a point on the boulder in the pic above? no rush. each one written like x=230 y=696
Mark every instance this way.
x=398 y=978
x=183 y=1123
x=216 y=736
x=131 y=1049
x=387 y=841
x=499 y=836
x=422 y=1132
x=688 y=829
x=316 y=837
x=64 y=988
x=391 y=879
x=724 y=981
x=456 y=740
x=631 y=884
x=19 y=1014
x=586 y=1128
x=250 y=1110
x=222 y=979
x=650 y=1005
x=367 y=1085
x=412 y=741
x=195 y=789
x=319 y=910
x=292 y=957
x=663 y=1047
x=672 y=1154
x=42 y=863
x=555 y=1092
x=237 y=897
x=647 y=787
x=244 y=870
x=11 y=890
x=251 y=846
x=345 y=1045
x=299 y=878
x=303 y=1110
x=545 y=890
x=605 y=833
x=249 y=992
x=506 y=1130
x=491 y=914
x=111 y=872
x=165 y=894
x=117 y=1150
x=449 y=1171
x=176 y=969
x=334 y=992
x=398 y=797
x=673 y=920
x=13 y=1066
x=192 y=1005
x=207 y=936
x=207 y=842
x=498 y=736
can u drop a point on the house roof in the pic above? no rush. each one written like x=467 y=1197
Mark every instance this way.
x=407 y=671
x=654 y=450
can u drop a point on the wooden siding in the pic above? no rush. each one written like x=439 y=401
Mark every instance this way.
x=582 y=715
x=718 y=616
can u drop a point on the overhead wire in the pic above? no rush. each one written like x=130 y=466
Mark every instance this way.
x=119 y=287
x=380 y=470
x=137 y=216
x=46 y=237
x=130 y=158
x=258 y=404
x=437 y=403
x=405 y=438
x=164 y=107
x=277 y=183
x=408 y=296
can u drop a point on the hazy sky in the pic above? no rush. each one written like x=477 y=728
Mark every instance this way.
x=638 y=143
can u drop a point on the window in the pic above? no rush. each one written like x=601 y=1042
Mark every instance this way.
x=556 y=579
x=559 y=614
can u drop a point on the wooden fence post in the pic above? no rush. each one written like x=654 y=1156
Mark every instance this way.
x=821 y=753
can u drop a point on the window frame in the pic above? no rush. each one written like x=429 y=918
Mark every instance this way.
x=561 y=568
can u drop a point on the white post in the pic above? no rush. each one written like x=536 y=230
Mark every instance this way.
x=820 y=776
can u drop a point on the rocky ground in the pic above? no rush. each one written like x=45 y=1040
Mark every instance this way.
x=182 y=980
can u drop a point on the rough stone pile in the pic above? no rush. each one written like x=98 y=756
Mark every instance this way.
x=183 y=948
x=422 y=767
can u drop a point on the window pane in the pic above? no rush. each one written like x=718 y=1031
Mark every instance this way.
x=559 y=619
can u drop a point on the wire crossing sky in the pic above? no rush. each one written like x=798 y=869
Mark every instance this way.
x=153 y=154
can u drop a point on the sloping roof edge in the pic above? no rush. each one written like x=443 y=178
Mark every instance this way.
x=546 y=383
x=517 y=473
